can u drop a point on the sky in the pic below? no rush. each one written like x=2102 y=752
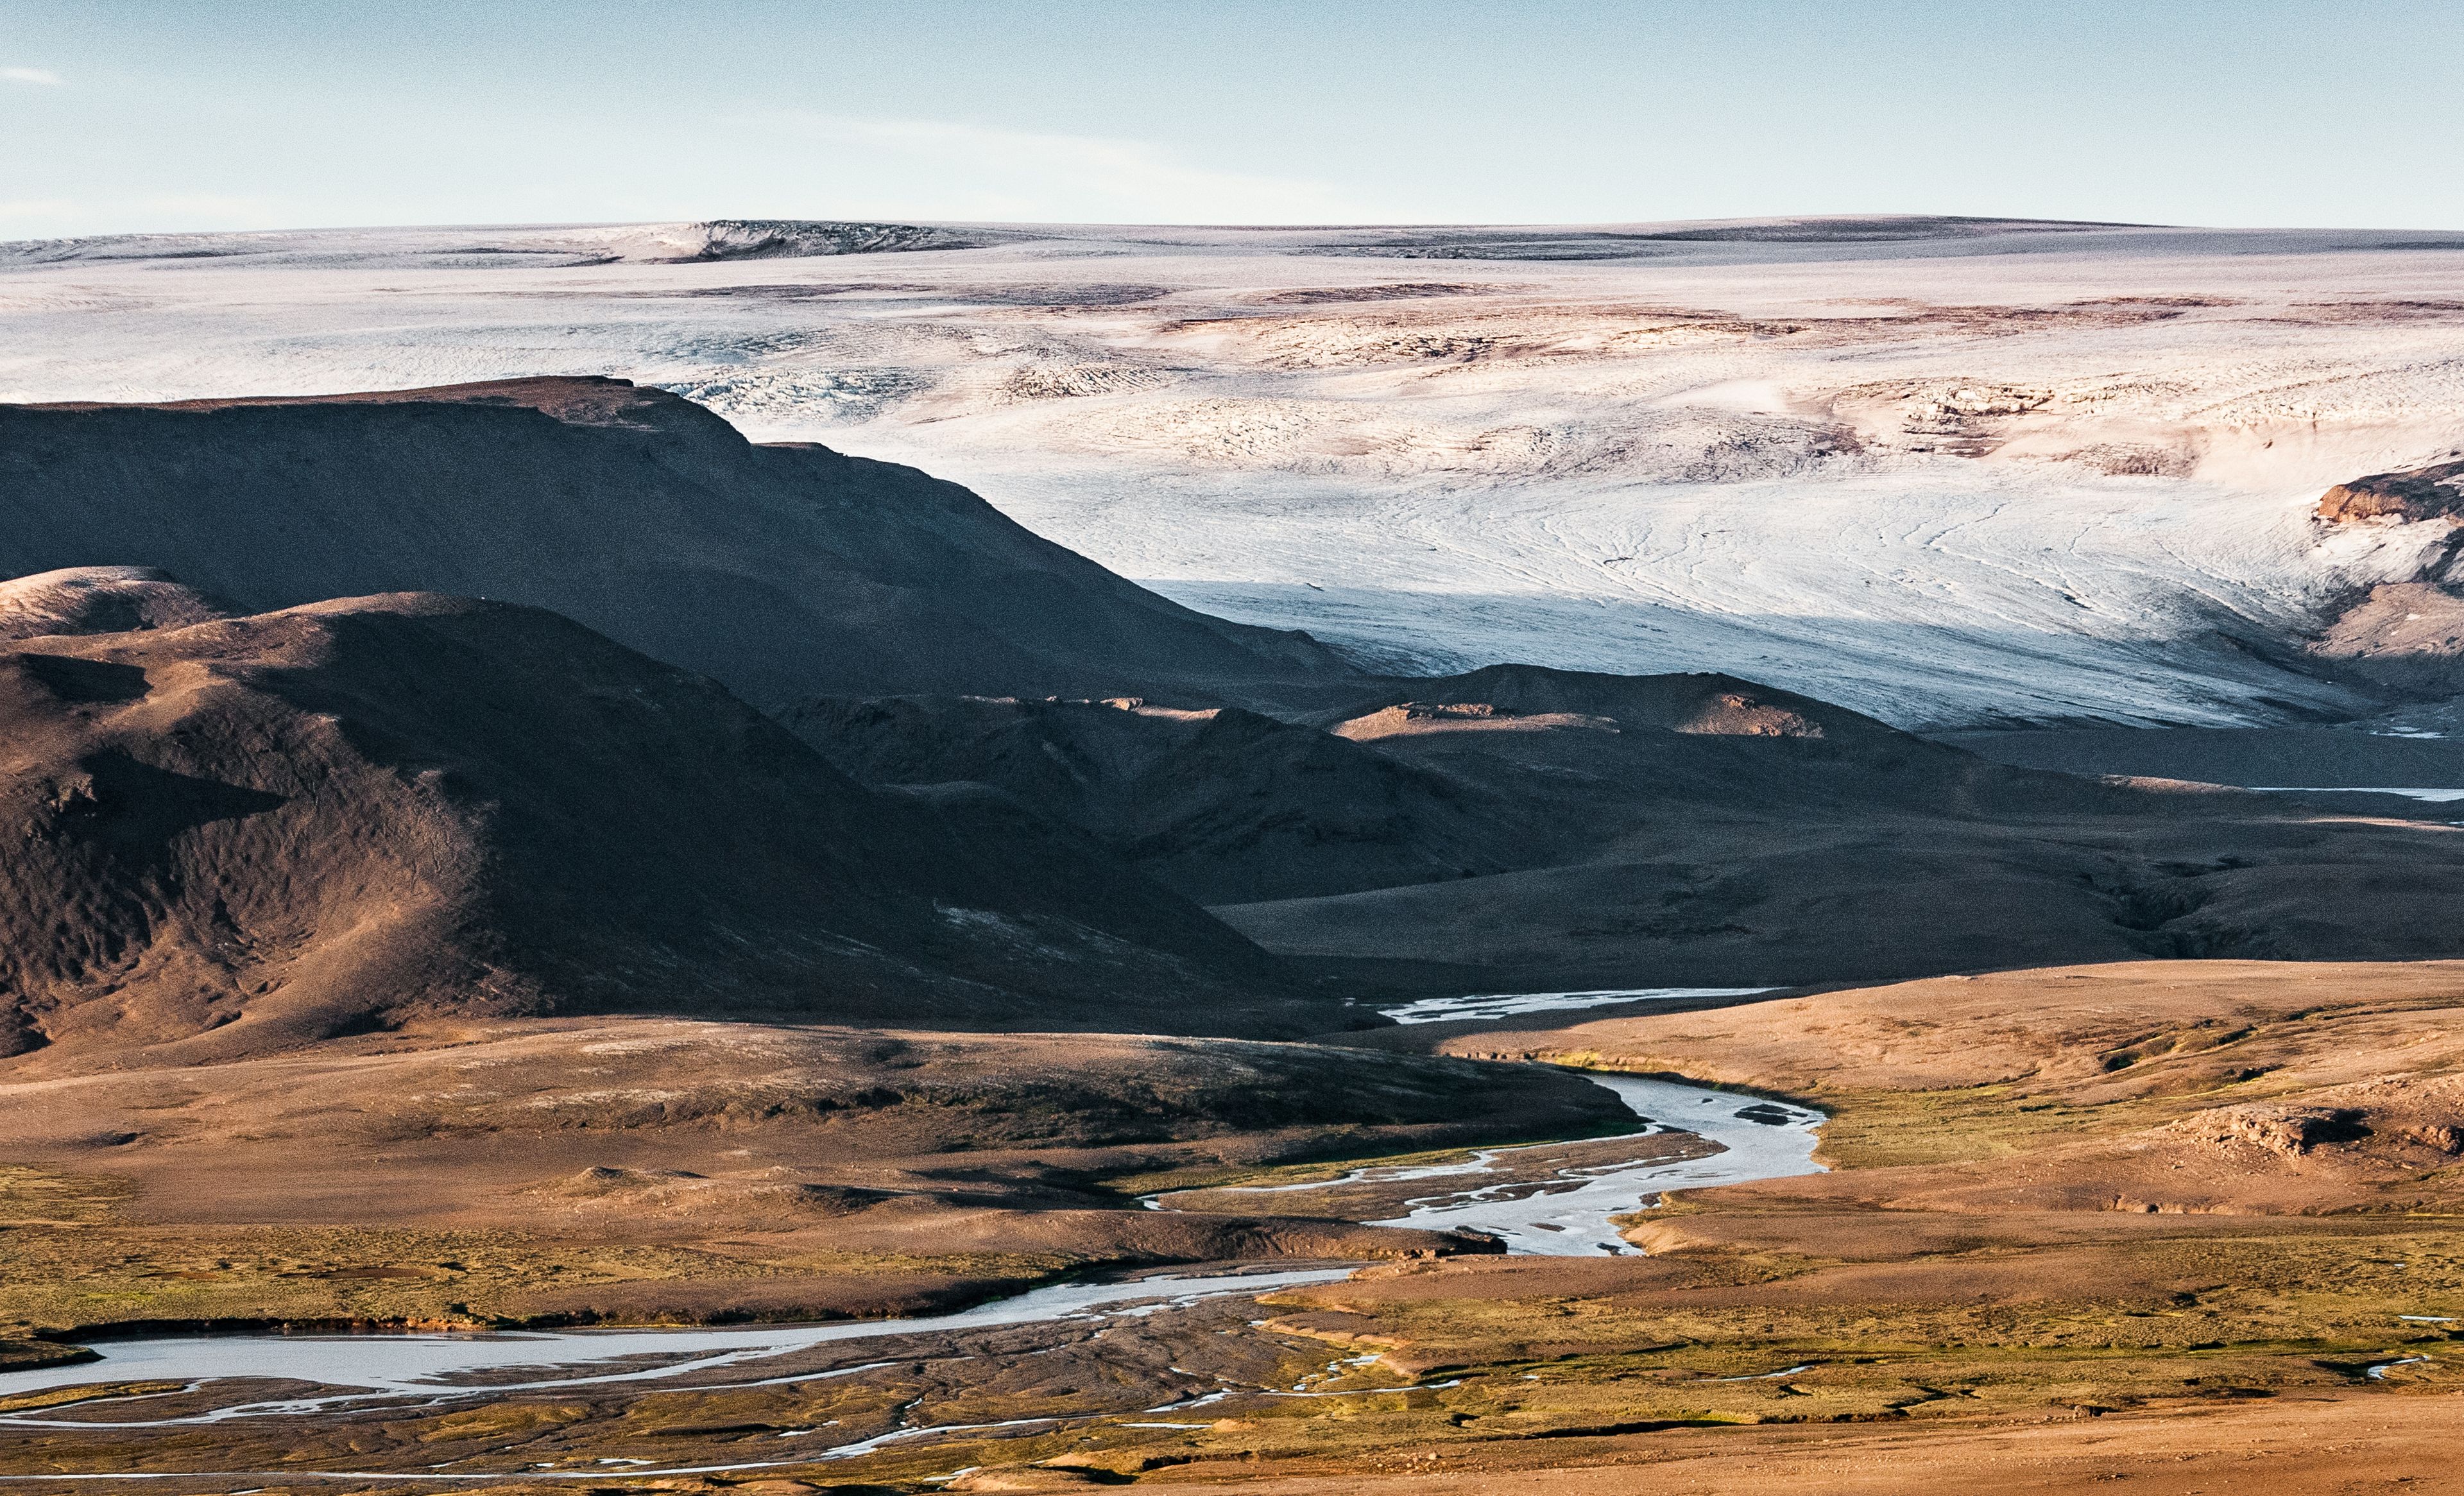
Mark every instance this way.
x=171 y=115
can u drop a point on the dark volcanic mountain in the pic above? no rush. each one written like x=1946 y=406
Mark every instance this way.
x=269 y=829
x=1517 y=829
x=1225 y=806
x=1429 y=781
x=784 y=571
x=1702 y=829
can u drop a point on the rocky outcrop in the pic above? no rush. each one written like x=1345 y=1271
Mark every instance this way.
x=2288 y=1131
x=2416 y=493
x=2405 y=636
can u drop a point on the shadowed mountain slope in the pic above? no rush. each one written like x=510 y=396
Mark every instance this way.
x=1224 y=805
x=1428 y=781
x=1519 y=828
x=784 y=571
x=1633 y=750
x=1725 y=833
x=250 y=832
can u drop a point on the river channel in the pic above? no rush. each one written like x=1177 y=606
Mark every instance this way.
x=1564 y=1211
x=1550 y=1199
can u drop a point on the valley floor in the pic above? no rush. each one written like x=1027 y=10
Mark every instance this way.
x=2366 y=1442
x=2191 y=1224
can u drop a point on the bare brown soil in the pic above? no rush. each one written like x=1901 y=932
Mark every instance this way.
x=101 y=599
x=2277 y=1447
x=2405 y=635
x=651 y=1168
x=2189 y=1200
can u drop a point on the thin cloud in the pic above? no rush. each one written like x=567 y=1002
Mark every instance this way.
x=40 y=77
x=27 y=218
x=44 y=211
x=986 y=173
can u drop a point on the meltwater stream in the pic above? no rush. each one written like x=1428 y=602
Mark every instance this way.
x=1560 y=1212
x=1532 y=1200
x=447 y=1368
x=1569 y=1215
x=1566 y=1209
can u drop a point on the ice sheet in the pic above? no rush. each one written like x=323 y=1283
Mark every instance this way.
x=2009 y=474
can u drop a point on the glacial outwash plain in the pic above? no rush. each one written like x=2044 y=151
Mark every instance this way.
x=781 y=856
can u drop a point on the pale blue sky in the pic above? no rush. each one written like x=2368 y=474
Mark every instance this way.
x=168 y=114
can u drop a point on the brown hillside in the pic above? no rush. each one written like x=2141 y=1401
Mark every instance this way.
x=100 y=599
x=250 y=832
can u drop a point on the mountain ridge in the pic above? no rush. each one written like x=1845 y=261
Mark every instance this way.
x=785 y=571
x=257 y=832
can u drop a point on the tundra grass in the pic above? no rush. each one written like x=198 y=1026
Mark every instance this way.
x=69 y=1261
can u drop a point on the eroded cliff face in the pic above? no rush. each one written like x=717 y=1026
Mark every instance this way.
x=2404 y=637
x=2416 y=493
